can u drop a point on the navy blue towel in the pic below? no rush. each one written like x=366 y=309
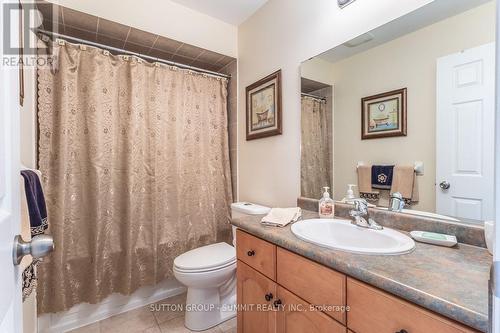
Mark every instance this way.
x=382 y=176
x=36 y=202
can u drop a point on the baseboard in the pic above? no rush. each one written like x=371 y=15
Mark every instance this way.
x=85 y=314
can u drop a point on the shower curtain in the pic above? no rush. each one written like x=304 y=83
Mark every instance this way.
x=135 y=164
x=315 y=151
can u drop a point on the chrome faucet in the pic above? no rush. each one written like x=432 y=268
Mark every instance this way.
x=396 y=202
x=360 y=210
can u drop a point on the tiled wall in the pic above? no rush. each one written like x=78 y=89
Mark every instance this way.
x=95 y=29
x=232 y=110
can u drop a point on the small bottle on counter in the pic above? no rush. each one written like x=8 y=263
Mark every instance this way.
x=326 y=205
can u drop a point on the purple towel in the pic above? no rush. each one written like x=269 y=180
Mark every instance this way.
x=36 y=202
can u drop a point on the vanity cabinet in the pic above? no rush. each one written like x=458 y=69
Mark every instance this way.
x=299 y=274
x=372 y=310
x=255 y=295
x=256 y=253
x=276 y=289
x=297 y=316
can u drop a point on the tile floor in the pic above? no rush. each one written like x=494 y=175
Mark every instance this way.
x=143 y=320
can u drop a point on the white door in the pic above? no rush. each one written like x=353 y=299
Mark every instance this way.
x=465 y=133
x=10 y=275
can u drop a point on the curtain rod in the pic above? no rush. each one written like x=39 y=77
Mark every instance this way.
x=314 y=96
x=115 y=49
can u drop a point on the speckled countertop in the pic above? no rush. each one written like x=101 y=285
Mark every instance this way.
x=449 y=281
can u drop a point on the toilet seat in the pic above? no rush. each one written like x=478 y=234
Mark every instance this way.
x=194 y=271
x=206 y=258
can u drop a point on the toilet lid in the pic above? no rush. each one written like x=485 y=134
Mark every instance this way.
x=205 y=257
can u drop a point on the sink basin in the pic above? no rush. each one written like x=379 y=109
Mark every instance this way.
x=342 y=235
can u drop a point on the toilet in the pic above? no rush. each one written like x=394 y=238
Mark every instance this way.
x=209 y=273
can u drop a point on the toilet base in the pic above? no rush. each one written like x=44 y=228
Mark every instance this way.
x=203 y=316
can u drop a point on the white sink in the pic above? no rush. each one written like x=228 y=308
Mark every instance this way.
x=342 y=235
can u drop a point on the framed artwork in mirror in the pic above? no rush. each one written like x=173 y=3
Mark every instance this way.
x=263 y=107
x=384 y=115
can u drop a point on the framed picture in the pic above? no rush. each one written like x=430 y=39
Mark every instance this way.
x=263 y=111
x=384 y=115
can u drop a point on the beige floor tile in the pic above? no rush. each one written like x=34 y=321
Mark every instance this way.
x=163 y=311
x=132 y=321
x=92 y=328
x=228 y=326
x=176 y=325
x=144 y=320
x=231 y=330
x=154 y=329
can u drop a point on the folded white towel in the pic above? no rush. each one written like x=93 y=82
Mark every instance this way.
x=280 y=217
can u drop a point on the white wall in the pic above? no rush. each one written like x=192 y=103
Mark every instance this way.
x=165 y=18
x=282 y=34
x=408 y=61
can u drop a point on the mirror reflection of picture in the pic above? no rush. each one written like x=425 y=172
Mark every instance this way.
x=384 y=115
x=263 y=114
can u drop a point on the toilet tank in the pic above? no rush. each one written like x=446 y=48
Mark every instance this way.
x=246 y=208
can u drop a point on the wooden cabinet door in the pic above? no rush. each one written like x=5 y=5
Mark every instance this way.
x=296 y=316
x=256 y=313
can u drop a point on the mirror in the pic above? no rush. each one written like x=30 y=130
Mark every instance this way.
x=407 y=107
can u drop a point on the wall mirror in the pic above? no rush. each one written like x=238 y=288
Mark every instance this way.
x=407 y=107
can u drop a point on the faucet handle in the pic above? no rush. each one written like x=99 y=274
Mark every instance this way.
x=361 y=205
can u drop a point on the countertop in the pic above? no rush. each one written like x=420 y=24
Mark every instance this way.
x=450 y=281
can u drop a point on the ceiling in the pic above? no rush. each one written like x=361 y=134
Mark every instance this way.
x=233 y=12
x=434 y=12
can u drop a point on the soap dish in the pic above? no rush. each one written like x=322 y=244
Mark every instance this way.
x=434 y=238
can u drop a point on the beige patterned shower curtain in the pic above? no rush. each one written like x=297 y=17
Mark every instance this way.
x=315 y=151
x=135 y=167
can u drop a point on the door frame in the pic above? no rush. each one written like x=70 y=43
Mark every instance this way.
x=12 y=320
x=495 y=310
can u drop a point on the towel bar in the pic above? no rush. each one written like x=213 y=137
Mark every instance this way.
x=417 y=165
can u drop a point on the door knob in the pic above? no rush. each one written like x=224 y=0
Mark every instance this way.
x=38 y=247
x=444 y=185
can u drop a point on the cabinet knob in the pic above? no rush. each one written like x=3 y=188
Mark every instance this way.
x=268 y=297
x=402 y=331
x=277 y=303
x=251 y=253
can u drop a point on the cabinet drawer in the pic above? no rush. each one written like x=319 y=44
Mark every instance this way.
x=256 y=253
x=316 y=284
x=374 y=311
x=296 y=316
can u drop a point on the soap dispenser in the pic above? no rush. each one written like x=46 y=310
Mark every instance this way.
x=326 y=205
x=349 y=198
